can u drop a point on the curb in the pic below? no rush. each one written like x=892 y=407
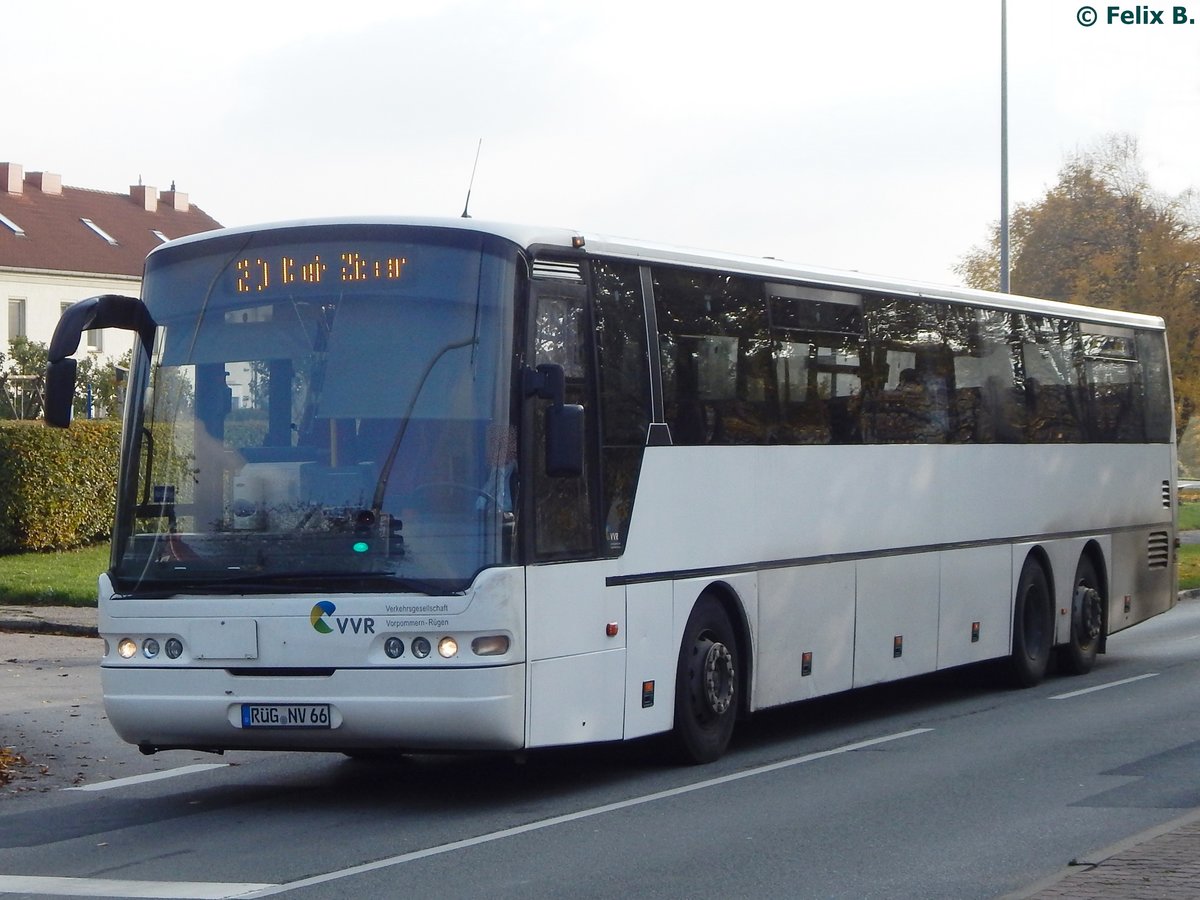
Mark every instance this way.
x=1088 y=861
x=26 y=626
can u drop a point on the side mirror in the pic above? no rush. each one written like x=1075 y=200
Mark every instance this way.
x=60 y=392
x=564 y=421
x=105 y=311
x=564 y=440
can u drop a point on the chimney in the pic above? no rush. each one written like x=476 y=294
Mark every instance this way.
x=174 y=199
x=46 y=182
x=145 y=196
x=11 y=177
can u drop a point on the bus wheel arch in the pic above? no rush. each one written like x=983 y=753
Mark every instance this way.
x=1089 y=601
x=711 y=676
x=1033 y=621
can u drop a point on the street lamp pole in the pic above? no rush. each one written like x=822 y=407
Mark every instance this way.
x=1004 y=146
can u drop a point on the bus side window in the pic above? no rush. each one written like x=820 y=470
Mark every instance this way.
x=564 y=519
x=1002 y=414
x=1053 y=390
x=717 y=366
x=624 y=391
x=1156 y=386
x=913 y=385
x=1114 y=389
x=816 y=344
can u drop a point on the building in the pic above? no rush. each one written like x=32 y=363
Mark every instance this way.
x=59 y=244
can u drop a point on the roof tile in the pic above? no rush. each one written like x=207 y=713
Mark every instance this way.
x=56 y=239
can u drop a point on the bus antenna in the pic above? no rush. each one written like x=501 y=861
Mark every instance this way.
x=471 y=183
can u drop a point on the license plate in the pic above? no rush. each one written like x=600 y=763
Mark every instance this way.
x=285 y=715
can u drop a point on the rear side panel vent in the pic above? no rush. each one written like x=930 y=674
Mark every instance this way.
x=1166 y=494
x=1158 y=550
x=558 y=270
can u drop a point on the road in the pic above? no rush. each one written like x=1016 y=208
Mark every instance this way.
x=940 y=787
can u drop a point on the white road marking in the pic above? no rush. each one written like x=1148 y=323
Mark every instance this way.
x=1102 y=687
x=212 y=890
x=111 y=887
x=575 y=816
x=149 y=776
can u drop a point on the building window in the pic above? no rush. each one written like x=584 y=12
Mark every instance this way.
x=16 y=319
x=13 y=226
x=95 y=340
x=100 y=231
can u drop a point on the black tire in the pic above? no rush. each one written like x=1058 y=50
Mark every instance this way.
x=1033 y=626
x=706 y=684
x=1087 y=621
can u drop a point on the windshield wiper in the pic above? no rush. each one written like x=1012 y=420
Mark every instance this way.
x=386 y=470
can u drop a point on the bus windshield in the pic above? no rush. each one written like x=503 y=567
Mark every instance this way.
x=326 y=406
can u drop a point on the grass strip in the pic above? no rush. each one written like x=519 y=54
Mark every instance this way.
x=65 y=578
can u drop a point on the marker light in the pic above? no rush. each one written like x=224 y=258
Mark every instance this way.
x=150 y=648
x=174 y=648
x=447 y=647
x=491 y=645
x=420 y=647
x=394 y=647
x=126 y=649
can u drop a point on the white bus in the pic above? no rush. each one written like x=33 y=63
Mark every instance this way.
x=443 y=485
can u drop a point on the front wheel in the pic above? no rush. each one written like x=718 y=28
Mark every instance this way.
x=706 y=684
x=1033 y=626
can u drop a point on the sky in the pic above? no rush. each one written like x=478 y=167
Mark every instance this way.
x=860 y=135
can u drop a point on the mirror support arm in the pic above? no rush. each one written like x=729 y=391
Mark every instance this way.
x=104 y=311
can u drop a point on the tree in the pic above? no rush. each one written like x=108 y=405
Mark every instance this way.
x=99 y=384
x=22 y=379
x=1102 y=237
x=23 y=383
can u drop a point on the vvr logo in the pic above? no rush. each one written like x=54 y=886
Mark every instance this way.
x=318 y=614
x=324 y=610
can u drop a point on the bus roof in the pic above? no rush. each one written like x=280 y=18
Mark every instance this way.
x=542 y=239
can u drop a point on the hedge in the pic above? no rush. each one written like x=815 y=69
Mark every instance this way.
x=57 y=485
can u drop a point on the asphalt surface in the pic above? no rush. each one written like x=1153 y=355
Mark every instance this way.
x=1162 y=863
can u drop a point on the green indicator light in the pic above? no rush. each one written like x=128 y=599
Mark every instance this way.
x=361 y=547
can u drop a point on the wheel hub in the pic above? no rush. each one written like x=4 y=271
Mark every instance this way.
x=719 y=678
x=1089 y=610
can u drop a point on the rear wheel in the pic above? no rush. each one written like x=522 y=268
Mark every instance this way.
x=1033 y=626
x=1087 y=621
x=706 y=684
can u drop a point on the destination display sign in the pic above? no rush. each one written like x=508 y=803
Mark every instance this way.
x=264 y=274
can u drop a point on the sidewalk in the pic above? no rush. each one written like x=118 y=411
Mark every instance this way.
x=1160 y=864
